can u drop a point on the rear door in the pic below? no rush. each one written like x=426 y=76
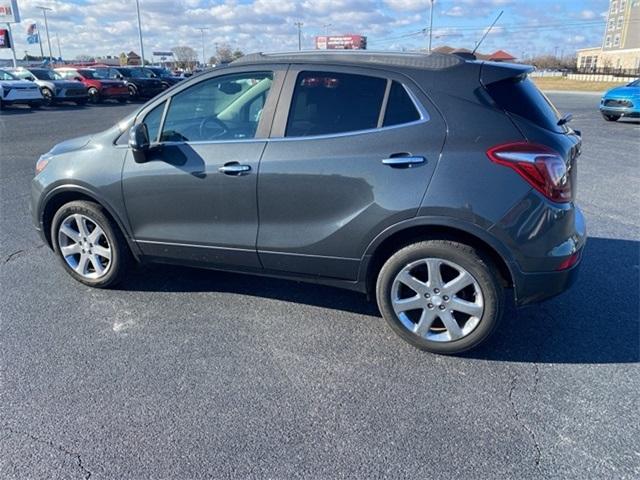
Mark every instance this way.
x=351 y=152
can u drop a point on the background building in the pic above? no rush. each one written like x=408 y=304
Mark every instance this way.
x=620 y=49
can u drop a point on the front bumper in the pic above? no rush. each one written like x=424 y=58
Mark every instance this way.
x=630 y=112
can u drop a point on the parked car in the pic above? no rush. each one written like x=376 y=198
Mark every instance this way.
x=335 y=168
x=99 y=88
x=14 y=91
x=137 y=80
x=53 y=87
x=623 y=101
x=167 y=78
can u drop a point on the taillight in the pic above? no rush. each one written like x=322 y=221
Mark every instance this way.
x=543 y=168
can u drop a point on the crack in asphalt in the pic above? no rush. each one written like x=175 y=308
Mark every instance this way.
x=20 y=253
x=85 y=471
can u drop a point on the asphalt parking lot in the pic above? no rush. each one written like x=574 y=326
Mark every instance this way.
x=184 y=373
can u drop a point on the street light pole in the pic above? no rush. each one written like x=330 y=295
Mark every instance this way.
x=204 y=58
x=430 y=25
x=299 y=25
x=46 y=27
x=140 y=32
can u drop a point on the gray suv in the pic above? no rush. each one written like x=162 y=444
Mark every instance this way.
x=438 y=185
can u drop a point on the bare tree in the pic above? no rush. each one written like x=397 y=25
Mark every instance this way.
x=185 y=57
x=225 y=54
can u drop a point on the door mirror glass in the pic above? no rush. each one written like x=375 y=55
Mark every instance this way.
x=78 y=79
x=139 y=138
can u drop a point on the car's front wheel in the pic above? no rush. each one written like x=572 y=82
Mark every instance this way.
x=90 y=246
x=611 y=118
x=47 y=96
x=441 y=296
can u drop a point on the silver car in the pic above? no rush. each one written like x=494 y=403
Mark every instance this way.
x=16 y=91
x=53 y=87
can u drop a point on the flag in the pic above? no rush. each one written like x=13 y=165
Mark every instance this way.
x=33 y=36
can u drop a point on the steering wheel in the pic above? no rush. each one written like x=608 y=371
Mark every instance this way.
x=212 y=128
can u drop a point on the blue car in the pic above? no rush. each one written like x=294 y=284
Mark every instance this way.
x=621 y=102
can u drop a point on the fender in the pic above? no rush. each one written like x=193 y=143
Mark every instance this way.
x=100 y=200
x=440 y=221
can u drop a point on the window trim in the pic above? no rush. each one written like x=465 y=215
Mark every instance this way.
x=288 y=98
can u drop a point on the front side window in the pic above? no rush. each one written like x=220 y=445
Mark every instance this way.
x=329 y=103
x=223 y=108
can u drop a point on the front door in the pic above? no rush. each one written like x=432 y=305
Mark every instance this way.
x=356 y=152
x=193 y=198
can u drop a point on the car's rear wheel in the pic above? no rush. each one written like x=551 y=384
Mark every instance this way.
x=611 y=118
x=90 y=247
x=47 y=96
x=440 y=296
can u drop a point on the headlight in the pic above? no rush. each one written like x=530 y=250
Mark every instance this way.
x=42 y=162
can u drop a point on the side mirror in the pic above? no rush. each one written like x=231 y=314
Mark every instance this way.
x=119 y=76
x=31 y=79
x=139 y=142
x=78 y=79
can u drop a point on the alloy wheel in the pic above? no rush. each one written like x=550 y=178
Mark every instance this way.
x=84 y=246
x=437 y=300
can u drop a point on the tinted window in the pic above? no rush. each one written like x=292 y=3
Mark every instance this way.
x=520 y=96
x=152 y=120
x=223 y=108
x=328 y=102
x=7 y=76
x=400 y=107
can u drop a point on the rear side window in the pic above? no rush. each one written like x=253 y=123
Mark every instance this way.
x=329 y=102
x=400 y=107
x=520 y=96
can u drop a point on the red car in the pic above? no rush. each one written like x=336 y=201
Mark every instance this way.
x=99 y=88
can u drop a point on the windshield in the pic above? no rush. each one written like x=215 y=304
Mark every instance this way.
x=7 y=76
x=635 y=83
x=46 y=74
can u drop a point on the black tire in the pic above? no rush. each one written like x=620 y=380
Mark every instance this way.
x=481 y=269
x=121 y=258
x=610 y=118
x=133 y=92
x=47 y=96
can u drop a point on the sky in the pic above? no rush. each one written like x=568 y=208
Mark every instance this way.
x=109 y=27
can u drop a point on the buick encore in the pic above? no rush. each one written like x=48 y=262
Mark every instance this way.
x=444 y=187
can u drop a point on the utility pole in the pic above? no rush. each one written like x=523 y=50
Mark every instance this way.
x=555 y=54
x=204 y=59
x=46 y=27
x=326 y=28
x=431 y=25
x=140 y=32
x=299 y=25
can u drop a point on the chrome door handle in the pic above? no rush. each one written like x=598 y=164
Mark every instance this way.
x=234 y=169
x=403 y=161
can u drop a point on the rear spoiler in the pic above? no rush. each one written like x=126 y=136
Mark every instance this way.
x=491 y=72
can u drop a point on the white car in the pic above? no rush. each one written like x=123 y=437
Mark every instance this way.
x=15 y=91
x=53 y=87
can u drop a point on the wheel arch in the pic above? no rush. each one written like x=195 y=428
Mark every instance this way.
x=69 y=193
x=415 y=230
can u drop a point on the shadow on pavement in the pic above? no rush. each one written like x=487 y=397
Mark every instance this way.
x=596 y=322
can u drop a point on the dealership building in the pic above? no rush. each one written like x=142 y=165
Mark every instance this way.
x=620 y=49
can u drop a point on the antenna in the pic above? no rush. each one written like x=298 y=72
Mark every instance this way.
x=487 y=32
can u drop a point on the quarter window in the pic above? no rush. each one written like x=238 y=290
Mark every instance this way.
x=329 y=103
x=222 y=108
x=400 y=107
x=152 y=120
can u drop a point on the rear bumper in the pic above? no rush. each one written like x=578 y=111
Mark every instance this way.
x=537 y=287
